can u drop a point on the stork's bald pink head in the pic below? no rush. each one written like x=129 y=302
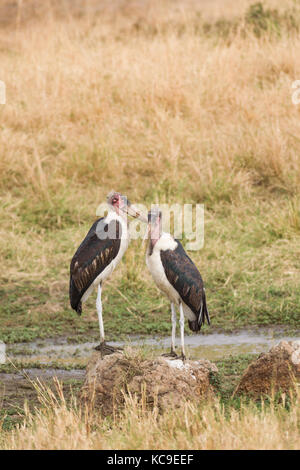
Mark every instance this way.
x=123 y=206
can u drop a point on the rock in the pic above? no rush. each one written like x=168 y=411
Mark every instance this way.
x=275 y=371
x=163 y=381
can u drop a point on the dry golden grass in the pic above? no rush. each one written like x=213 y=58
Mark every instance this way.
x=95 y=102
x=208 y=426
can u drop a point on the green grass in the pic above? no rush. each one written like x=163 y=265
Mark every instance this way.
x=10 y=418
x=226 y=379
x=250 y=263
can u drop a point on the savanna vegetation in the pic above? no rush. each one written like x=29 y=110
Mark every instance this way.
x=55 y=418
x=57 y=425
x=167 y=102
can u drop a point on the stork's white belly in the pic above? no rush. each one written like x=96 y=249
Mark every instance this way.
x=158 y=273
x=156 y=268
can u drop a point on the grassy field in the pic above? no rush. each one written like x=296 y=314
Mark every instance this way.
x=184 y=103
x=167 y=102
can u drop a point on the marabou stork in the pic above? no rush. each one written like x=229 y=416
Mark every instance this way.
x=177 y=277
x=99 y=254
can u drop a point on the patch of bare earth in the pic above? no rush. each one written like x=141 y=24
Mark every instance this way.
x=275 y=371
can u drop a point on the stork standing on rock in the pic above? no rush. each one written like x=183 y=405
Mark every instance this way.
x=177 y=277
x=99 y=254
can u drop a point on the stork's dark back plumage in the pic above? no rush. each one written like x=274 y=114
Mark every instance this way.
x=93 y=255
x=182 y=273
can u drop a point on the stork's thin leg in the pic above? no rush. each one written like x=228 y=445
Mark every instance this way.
x=173 y=318
x=99 y=311
x=181 y=323
x=104 y=348
x=173 y=329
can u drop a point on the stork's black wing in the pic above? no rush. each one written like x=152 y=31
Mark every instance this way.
x=187 y=281
x=98 y=249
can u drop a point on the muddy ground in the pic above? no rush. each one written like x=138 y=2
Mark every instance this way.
x=19 y=388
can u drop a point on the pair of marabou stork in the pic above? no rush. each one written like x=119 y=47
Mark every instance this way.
x=172 y=270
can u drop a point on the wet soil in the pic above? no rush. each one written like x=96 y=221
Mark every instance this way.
x=20 y=387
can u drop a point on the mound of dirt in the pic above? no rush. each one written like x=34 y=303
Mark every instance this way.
x=275 y=371
x=166 y=383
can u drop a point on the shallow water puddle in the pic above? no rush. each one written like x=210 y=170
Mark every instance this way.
x=210 y=346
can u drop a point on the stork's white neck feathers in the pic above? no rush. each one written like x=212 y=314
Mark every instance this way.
x=112 y=215
x=165 y=242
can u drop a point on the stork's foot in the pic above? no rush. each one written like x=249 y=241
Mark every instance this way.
x=172 y=354
x=106 y=349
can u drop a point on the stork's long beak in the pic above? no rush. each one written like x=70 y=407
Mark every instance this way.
x=133 y=212
x=147 y=234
